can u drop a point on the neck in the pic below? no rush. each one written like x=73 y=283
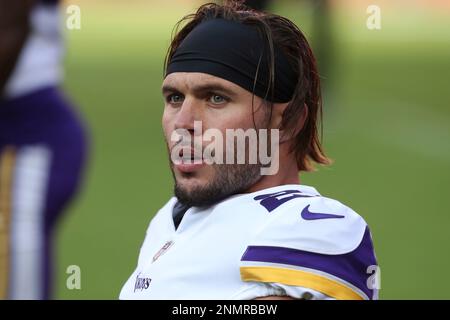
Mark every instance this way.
x=288 y=174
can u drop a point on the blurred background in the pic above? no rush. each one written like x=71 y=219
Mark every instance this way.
x=386 y=125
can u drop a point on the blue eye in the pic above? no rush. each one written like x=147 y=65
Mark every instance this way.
x=216 y=99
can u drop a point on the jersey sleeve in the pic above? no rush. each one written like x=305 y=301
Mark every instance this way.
x=315 y=249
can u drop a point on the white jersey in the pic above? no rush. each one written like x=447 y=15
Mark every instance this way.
x=39 y=64
x=284 y=241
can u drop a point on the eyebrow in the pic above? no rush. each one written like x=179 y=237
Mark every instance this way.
x=201 y=89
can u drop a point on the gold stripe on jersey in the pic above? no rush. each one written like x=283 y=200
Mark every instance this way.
x=7 y=159
x=300 y=278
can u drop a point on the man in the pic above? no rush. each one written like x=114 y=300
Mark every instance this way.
x=231 y=232
x=42 y=145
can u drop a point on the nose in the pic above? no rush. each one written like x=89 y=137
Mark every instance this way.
x=188 y=113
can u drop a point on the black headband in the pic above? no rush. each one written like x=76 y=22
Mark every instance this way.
x=232 y=50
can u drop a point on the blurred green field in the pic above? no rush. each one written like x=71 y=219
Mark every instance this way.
x=387 y=126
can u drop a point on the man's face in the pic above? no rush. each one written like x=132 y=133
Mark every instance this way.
x=218 y=104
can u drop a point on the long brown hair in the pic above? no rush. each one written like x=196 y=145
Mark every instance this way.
x=287 y=36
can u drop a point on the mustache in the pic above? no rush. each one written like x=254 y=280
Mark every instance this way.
x=186 y=146
x=189 y=151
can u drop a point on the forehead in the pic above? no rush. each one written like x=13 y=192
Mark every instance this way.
x=187 y=81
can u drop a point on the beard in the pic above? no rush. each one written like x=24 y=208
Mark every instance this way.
x=227 y=180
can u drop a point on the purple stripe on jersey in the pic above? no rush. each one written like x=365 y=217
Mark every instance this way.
x=351 y=267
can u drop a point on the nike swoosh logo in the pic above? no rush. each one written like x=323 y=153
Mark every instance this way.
x=308 y=215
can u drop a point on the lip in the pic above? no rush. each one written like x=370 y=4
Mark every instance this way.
x=190 y=166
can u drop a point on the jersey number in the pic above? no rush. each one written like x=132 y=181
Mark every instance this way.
x=271 y=201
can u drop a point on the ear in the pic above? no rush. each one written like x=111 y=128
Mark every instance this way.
x=277 y=117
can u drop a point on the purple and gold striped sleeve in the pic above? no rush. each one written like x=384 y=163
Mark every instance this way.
x=344 y=276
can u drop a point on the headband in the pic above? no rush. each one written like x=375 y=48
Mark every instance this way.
x=232 y=50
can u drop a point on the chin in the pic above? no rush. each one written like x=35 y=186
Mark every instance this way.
x=189 y=184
